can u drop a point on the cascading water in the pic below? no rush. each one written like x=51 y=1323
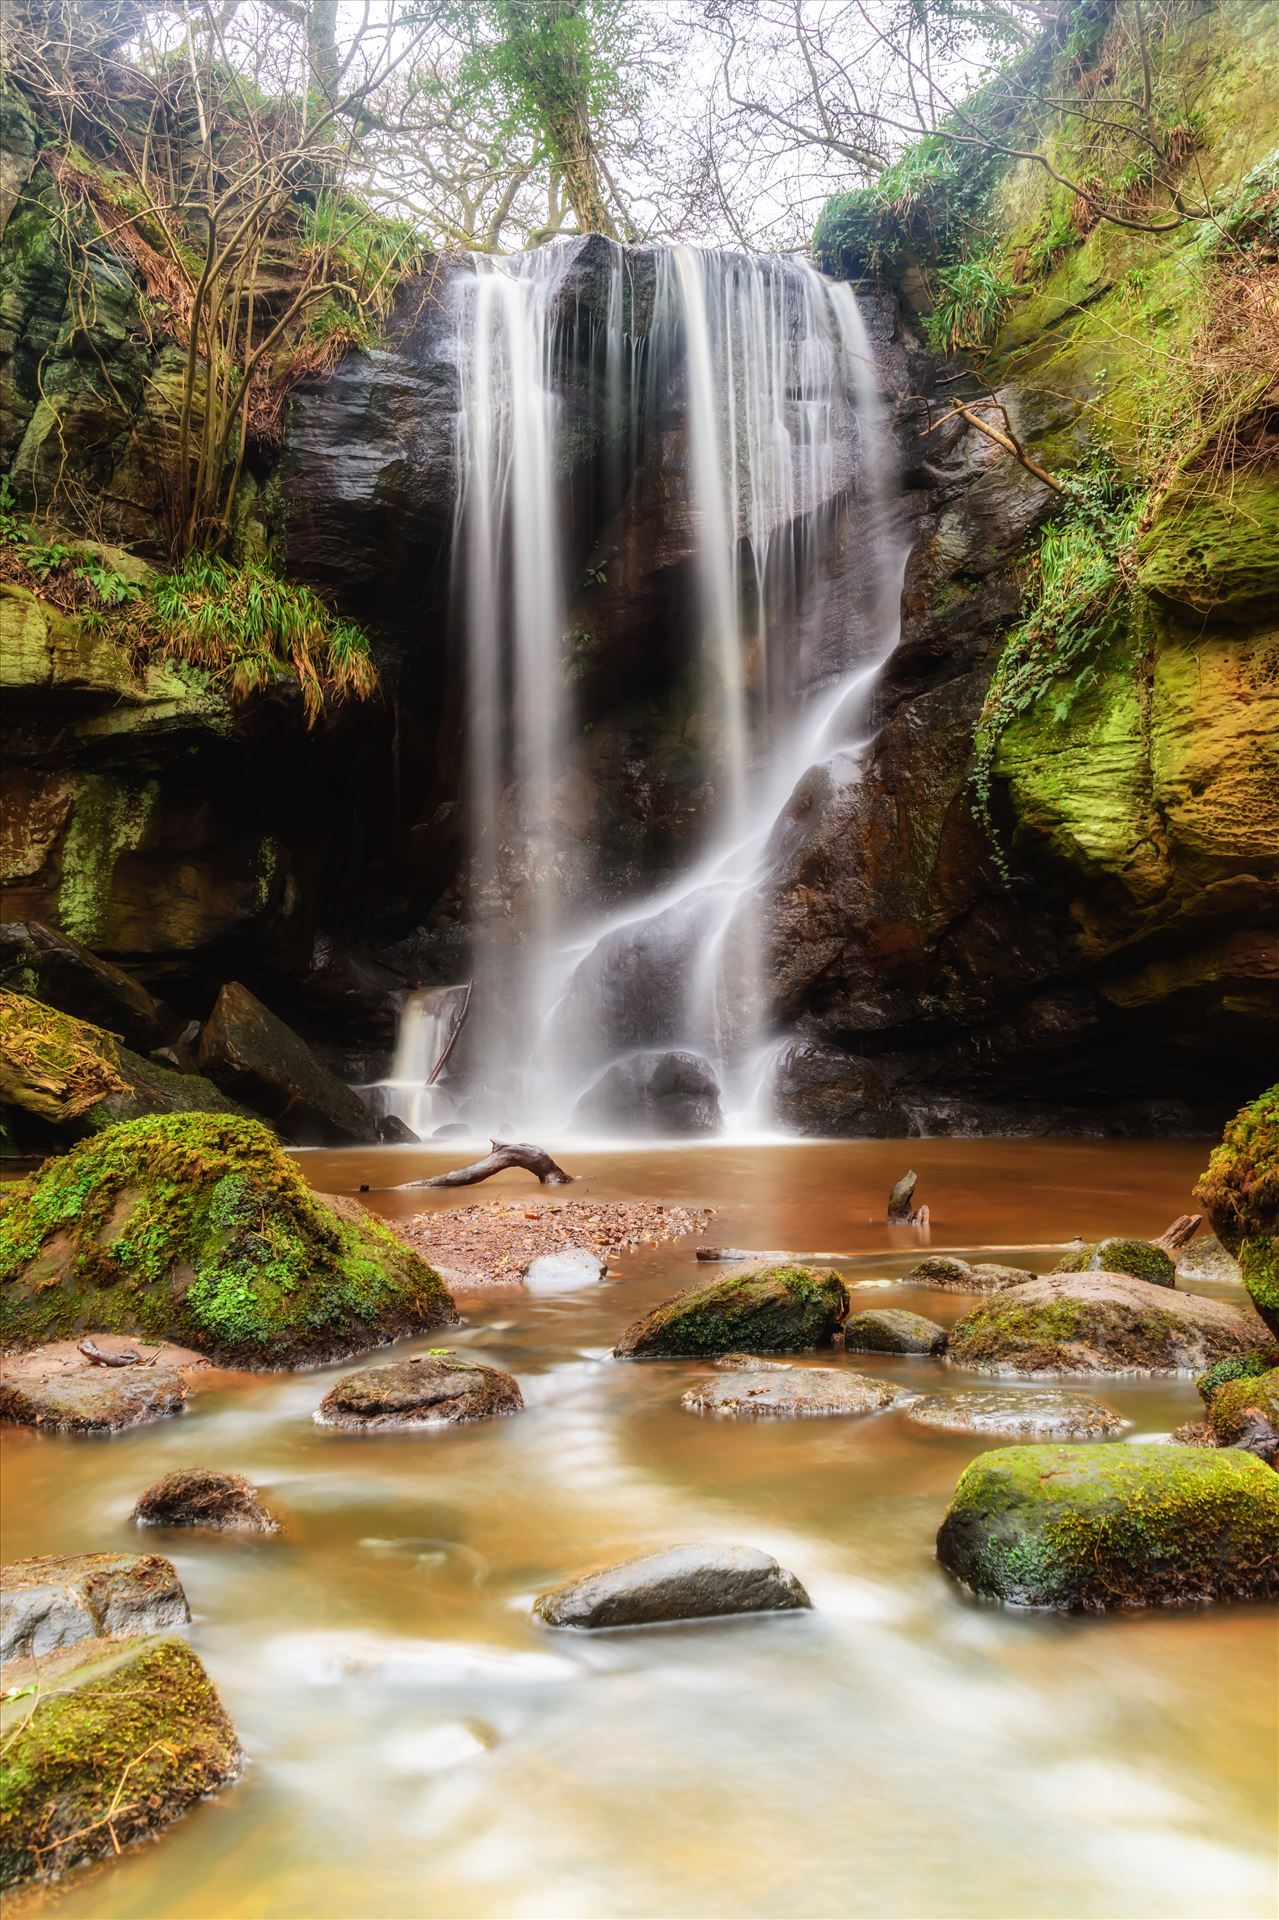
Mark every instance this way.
x=768 y=370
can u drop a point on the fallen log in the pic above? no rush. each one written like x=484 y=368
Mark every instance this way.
x=98 y=1356
x=1183 y=1228
x=505 y=1155
x=901 y=1211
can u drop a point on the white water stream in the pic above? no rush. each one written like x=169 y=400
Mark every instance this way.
x=796 y=561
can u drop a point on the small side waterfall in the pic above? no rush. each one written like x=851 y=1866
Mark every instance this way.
x=656 y=1012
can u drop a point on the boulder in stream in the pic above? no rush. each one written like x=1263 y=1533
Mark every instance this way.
x=198 y=1228
x=771 y=1310
x=200 y=1497
x=429 y=1390
x=253 y=1056
x=678 y=1583
x=55 y=1600
x=947 y=1273
x=1141 y=1258
x=1245 y=1413
x=1013 y=1415
x=892 y=1330
x=1083 y=1529
x=789 y=1393
x=120 y=1741
x=1067 y=1323
x=95 y=1400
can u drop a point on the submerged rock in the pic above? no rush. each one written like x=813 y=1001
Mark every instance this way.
x=679 y=1583
x=427 y=1391
x=787 y=1393
x=99 y=1400
x=892 y=1330
x=255 y=1057
x=1018 y=1416
x=56 y=1600
x=198 y=1228
x=1100 y=1323
x=143 y=1715
x=1240 y=1192
x=772 y=1310
x=197 y=1497
x=947 y=1273
x=1140 y=1258
x=1082 y=1529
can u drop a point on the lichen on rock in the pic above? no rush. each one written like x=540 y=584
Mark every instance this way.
x=198 y=1228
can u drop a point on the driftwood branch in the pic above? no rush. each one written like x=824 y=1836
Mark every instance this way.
x=505 y=1155
x=901 y=1210
x=1183 y=1228
x=98 y=1356
x=1002 y=436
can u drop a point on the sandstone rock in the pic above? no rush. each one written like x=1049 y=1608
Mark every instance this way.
x=426 y=1391
x=196 y=1497
x=678 y=1583
x=892 y=1330
x=145 y=1709
x=103 y=1400
x=654 y=1093
x=1018 y=1416
x=788 y=1393
x=947 y=1273
x=54 y=1601
x=1087 y=1528
x=772 y=1310
x=1139 y=1258
x=1101 y=1323
x=253 y=1056
x=227 y=1250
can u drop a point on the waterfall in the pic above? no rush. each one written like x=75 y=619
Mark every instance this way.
x=656 y=1010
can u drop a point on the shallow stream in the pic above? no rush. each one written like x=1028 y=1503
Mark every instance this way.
x=419 y=1746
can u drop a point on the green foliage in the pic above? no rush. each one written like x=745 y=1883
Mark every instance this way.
x=1240 y=1189
x=930 y=201
x=249 y=627
x=1248 y=224
x=369 y=249
x=68 y=574
x=1075 y=601
x=970 y=307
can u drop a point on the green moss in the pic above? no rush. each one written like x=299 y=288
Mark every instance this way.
x=1237 y=1366
x=1240 y=1192
x=1136 y=1257
x=1064 y=1335
x=1213 y=552
x=773 y=1310
x=115 y=1746
x=1230 y=1406
x=198 y=1228
x=1091 y=1527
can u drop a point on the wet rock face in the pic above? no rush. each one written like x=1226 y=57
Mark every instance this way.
x=429 y=1391
x=1017 y=1416
x=680 y=1583
x=54 y=1601
x=1138 y=1257
x=892 y=1330
x=197 y=1497
x=102 y=1400
x=823 y=1091
x=1101 y=1323
x=1083 y=1529
x=253 y=1056
x=788 y=1393
x=661 y=1093
x=150 y=1706
x=773 y=1310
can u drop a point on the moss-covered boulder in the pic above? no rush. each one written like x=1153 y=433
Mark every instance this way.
x=199 y=1229
x=1212 y=551
x=1083 y=1529
x=947 y=1273
x=1141 y=1258
x=119 y=1742
x=772 y=1310
x=1245 y=1413
x=1239 y=1366
x=1240 y=1192
x=1067 y=1323
x=66 y=1078
x=892 y=1330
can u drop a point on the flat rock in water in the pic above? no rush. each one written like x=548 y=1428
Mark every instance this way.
x=1067 y=1323
x=790 y=1394
x=784 y=1309
x=142 y=1714
x=892 y=1330
x=97 y=1400
x=679 y=1583
x=55 y=1600
x=432 y=1391
x=749 y=1362
x=565 y=1270
x=1082 y=1529
x=198 y=1497
x=947 y=1273
x=1018 y=1416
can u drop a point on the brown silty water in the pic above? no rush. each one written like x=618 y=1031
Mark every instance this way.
x=418 y=1745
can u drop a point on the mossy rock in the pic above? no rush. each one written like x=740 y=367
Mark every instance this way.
x=1140 y=1258
x=892 y=1330
x=1068 y=1323
x=426 y=1390
x=772 y=1310
x=1213 y=550
x=141 y=1715
x=1240 y=1192
x=1240 y=1366
x=1244 y=1404
x=197 y=1228
x=1083 y=1529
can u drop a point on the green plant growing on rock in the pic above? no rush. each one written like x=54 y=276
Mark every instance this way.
x=970 y=306
x=1240 y=1193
